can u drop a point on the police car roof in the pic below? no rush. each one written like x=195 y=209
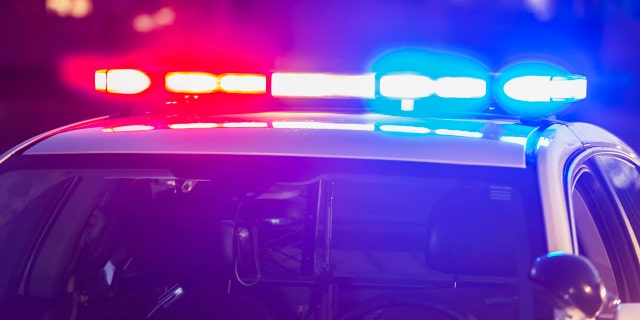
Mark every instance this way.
x=365 y=136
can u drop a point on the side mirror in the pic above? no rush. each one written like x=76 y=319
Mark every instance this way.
x=572 y=283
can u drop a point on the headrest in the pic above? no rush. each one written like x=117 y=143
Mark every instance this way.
x=471 y=231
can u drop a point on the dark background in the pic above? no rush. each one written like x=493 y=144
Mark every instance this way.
x=50 y=48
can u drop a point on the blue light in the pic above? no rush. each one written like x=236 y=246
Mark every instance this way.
x=406 y=86
x=461 y=87
x=546 y=88
x=537 y=89
x=429 y=82
x=409 y=86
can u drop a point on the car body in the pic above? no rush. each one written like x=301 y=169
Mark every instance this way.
x=319 y=215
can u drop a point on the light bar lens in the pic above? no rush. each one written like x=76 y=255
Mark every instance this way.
x=460 y=87
x=406 y=86
x=122 y=81
x=322 y=85
x=191 y=82
x=243 y=83
x=546 y=88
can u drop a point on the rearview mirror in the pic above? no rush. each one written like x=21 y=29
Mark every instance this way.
x=572 y=283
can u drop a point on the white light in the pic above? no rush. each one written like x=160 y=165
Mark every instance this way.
x=243 y=83
x=543 y=142
x=194 y=125
x=123 y=81
x=458 y=133
x=460 y=87
x=322 y=85
x=546 y=88
x=406 y=86
x=516 y=140
x=407 y=104
x=245 y=125
x=191 y=82
x=322 y=125
x=404 y=129
x=568 y=88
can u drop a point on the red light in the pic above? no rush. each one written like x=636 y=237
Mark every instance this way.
x=123 y=81
x=191 y=82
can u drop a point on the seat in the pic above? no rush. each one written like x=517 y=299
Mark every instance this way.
x=469 y=232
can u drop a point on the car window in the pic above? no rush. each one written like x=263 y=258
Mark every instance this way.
x=601 y=233
x=23 y=198
x=623 y=177
x=256 y=237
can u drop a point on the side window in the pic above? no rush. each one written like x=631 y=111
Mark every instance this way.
x=602 y=233
x=590 y=240
x=623 y=178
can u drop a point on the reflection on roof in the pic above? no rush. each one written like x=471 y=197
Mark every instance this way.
x=474 y=142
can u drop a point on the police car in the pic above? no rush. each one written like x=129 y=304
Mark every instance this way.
x=225 y=202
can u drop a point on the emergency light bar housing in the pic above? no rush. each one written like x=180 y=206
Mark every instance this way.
x=526 y=90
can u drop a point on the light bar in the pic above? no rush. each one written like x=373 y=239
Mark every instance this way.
x=122 y=81
x=322 y=85
x=243 y=83
x=406 y=86
x=547 y=88
x=191 y=82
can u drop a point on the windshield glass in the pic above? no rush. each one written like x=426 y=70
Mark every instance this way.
x=259 y=237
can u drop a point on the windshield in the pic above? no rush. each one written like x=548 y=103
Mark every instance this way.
x=259 y=237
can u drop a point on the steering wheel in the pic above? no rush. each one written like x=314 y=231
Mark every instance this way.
x=393 y=306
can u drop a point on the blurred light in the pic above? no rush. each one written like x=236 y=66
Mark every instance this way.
x=245 y=125
x=194 y=125
x=546 y=88
x=406 y=86
x=460 y=87
x=322 y=125
x=243 y=83
x=143 y=23
x=544 y=142
x=165 y=16
x=458 y=133
x=407 y=104
x=404 y=129
x=542 y=9
x=123 y=81
x=537 y=89
x=516 y=140
x=101 y=80
x=129 y=128
x=70 y=8
x=322 y=85
x=191 y=82
x=146 y=22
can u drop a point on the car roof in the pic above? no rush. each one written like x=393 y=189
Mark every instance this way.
x=366 y=136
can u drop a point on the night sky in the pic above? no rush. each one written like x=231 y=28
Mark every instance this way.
x=49 y=54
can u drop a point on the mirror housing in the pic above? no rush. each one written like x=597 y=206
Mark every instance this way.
x=572 y=282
